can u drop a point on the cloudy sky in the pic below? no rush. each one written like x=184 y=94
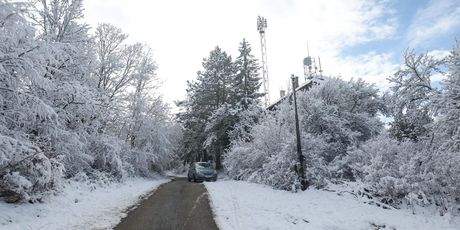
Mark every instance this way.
x=354 y=38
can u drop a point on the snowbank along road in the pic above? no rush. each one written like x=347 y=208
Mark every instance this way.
x=176 y=205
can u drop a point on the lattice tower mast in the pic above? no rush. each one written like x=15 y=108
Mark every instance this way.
x=261 y=27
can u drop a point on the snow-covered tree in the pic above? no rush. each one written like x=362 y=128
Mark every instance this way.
x=448 y=121
x=246 y=119
x=55 y=121
x=446 y=129
x=29 y=167
x=118 y=62
x=222 y=91
x=210 y=91
x=69 y=67
x=58 y=20
x=412 y=96
x=247 y=82
x=217 y=131
x=344 y=113
x=334 y=116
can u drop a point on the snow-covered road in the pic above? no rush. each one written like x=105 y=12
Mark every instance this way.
x=241 y=205
x=78 y=207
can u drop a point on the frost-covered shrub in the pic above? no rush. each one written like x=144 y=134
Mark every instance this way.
x=278 y=172
x=342 y=113
x=246 y=160
x=446 y=128
x=72 y=149
x=411 y=172
x=418 y=161
x=382 y=163
x=25 y=172
x=143 y=163
x=318 y=172
x=334 y=116
x=108 y=153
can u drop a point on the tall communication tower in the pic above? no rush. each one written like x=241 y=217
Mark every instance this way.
x=261 y=27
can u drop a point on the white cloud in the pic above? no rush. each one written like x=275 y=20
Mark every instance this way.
x=439 y=54
x=437 y=19
x=438 y=77
x=372 y=67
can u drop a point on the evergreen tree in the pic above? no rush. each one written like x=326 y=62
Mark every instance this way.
x=210 y=91
x=244 y=93
x=247 y=81
x=222 y=90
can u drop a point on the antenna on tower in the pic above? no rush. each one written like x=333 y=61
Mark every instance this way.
x=310 y=67
x=320 y=70
x=261 y=27
x=307 y=65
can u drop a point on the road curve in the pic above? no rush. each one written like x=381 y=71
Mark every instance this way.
x=177 y=205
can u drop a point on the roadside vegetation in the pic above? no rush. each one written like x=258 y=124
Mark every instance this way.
x=75 y=105
x=413 y=158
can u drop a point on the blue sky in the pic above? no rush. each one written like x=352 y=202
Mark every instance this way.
x=410 y=15
x=354 y=38
x=404 y=13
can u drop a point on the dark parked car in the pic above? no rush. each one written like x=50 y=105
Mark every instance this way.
x=201 y=171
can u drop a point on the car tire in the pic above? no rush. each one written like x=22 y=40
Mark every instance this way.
x=189 y=179
x=194 y=178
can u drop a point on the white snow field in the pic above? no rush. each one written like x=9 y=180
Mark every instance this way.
x=79 y=206
x=243 y=205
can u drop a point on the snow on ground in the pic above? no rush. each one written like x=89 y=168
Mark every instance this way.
x=171 y=173
x=243 y=205
x=79 y=206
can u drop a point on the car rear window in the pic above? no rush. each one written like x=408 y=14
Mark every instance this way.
x=204 y=165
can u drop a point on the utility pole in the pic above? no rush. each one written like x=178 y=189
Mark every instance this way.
x=300 y=168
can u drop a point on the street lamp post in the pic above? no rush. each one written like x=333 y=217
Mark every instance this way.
x=300 y=168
